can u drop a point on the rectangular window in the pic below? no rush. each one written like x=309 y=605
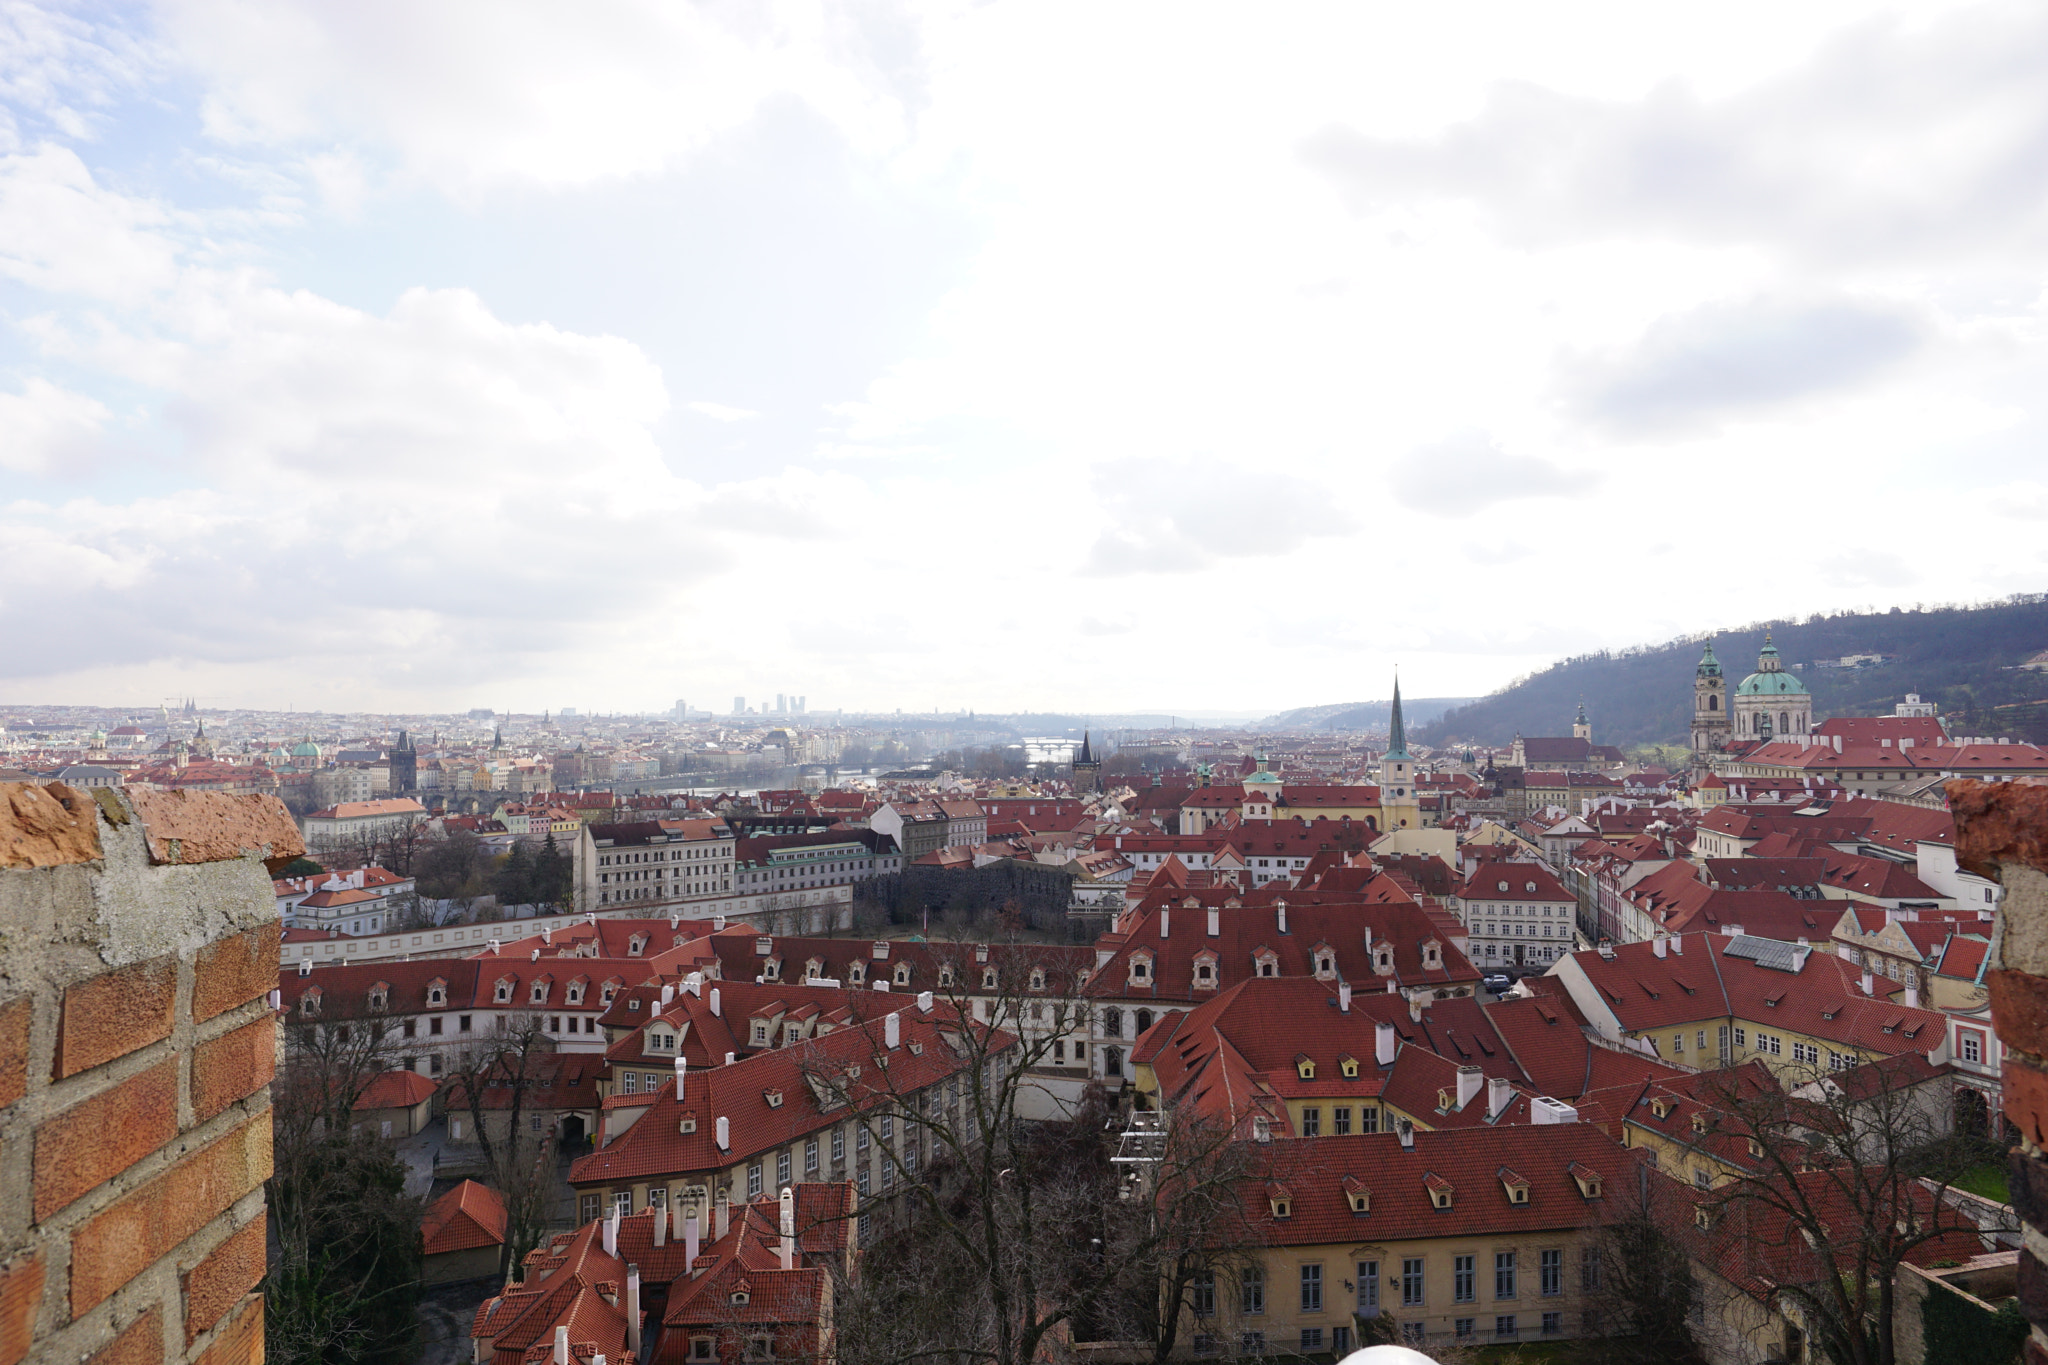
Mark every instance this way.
x=1251 y=1343
x=588 y=1211
x=1413 y=1333
x=1312 y=1121
x=622 y=1200
x=1741 y=1036
x=1678 y=1044
x=1589 y=1268
x=1340 y=1120
x=1463 y=1328
x=1464 y=1279
x=1311 y=1289
x=1721 y=1039
x=1311 y=1339
x=1551 y=1272
x=629 y=1083
x=810 y=1156
x=1553 y=1324
x=1340 y=1342
x=781 y=1169
x=1973 y=1045
x=1368 y=1289
x=860 y=1141
x=754 y=1181
x=1411 y=1281
x=1252 y=1287
x=860 y=1180
x=838 y=1144
x=657 y=1196
x=1202 y=1293
x=1504 y=1325
x=1368 y=1120
x=1503 y=1274
x=1206 y=1344
x=888 y=1127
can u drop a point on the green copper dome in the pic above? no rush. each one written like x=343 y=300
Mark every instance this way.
x=1770 y=678
x=1710 y=667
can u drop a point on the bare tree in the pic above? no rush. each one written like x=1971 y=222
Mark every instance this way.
x=497 y=1074
x=1637 y=1277
x=346 y=1278
x=1846 y=1177
x=1018 y=1226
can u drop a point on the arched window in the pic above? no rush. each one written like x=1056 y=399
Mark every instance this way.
x=1112 y=1061
x=1113 y=1022
x=1144 y=1020
x=1713 y=702
x=1784 y=723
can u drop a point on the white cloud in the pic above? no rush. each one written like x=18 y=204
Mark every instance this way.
x=719 y=412
x=62 y=232
x=45 y=429
x=1468 y=472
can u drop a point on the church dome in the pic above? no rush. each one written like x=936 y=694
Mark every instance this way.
x=306 y=749
x=1770 y=678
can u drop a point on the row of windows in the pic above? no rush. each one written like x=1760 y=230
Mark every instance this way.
x=1340 y=1120
x=1410 y=1283
x=1506 y=1327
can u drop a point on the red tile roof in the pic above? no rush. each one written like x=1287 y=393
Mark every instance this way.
x=466 y=1217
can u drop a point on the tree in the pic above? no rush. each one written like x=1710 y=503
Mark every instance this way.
x=1845 y=1178
x=453 y=868
x=346 y=1282
x=498 y=1074
x=1016 y=1230
x=554 y=877
x=513 y=880
x=1641 y=1296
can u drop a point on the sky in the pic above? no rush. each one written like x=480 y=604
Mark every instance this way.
x=1048 y=356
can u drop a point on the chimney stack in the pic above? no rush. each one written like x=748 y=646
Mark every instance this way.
x=694 y=984
x=716 y=1008
x=721 y=1216
x=1344 y=996
x=1912 y=997
x=611 y=1231
x=924 y=1002
x=690 y=1238
x=1215 y=922
x=562 y=1345
x=1869 y=985
x=1499 y=1090
x=633 y=1309
x=1470 y=1080
x=661 y=1225
x=1165 y=922
x=892 y=1031
x=788 y=1228
x=1384 y=1043
x=1406 y=1128
x=1678 y=944
x=724 y=1137
x=1414 y=1009
x=1657 y=943
x=1280 y=912
x=682 y=1072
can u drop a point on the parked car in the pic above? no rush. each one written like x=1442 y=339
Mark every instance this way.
x=1497 y=981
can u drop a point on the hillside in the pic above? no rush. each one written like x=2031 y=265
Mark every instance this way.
x=1360 y=715
x=1964 y=659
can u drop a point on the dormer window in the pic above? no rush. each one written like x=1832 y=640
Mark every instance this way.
x=1502 y=885
x=1517 y=1188
x=1587 y=1178
x=380 y=996
x=574 y=995
x=687 y=1124
x=309 y=1003
x=988 y=978
x=636 y=945
x=539 y=994
x=771 y=970
x=1038 y=978
x=661 y=1040
x=1141 y=968
x=1357 y=1195
x=1383 y=961
x=1432 y=955
x=1349 y=1066
x=1266 y=963
x=610 y=990
x=760 y=1033
x=1279 y=1199
x=437 y=992
x=1699 y=1123
x=1305 y=1067
x=1262 y=1128
x=1661 y=1108
x=1529 y=888
x=857 y=973
x=902 y=973
x=946 y=976
x=1756 y=1149
x=1440 y=1190
x=502 y=993
x=774 y=1098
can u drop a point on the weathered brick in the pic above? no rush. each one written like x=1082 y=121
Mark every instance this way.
x=234 y=971
x=233 y=1065
x=113 y=1247
x=47 y=826
x=2033 y=1289
x=97 y=1139
x=2027 y=1179
x=216 y=827
x=1999 y=823
x=2026 y=1097
x=217 y=1284
x=14 y=1017
x=114 y=1013
x=140 y=1343
x=241 y=1341
x=21 y=1295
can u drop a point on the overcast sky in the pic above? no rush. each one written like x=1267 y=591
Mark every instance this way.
x=1007 y=355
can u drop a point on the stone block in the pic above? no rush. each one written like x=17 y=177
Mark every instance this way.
x=47 y=826
x=216 y=827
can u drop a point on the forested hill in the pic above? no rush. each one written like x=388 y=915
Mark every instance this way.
x=1964 y=659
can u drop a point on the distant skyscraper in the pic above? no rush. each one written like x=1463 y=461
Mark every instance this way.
x=800 y=704
x=739 y=706
x=781 y=704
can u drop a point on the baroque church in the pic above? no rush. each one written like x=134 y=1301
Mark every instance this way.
x=1769 y=704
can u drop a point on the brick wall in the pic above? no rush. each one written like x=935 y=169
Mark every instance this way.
x=2002 y=832
x=138 y=944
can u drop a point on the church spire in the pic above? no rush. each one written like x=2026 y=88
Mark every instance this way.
x=1086 y=756
x=1397 y=733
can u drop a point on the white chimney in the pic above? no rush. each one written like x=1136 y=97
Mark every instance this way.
x=718 y=924
x=1869 y=985
x=691 y=1238
x=1912 y=997
x=1678 y=944
x=1384 y=1043
x=1406 y=1129
x=305 y=966
x=694 y=984
x=494 y=947
x=1215 y=922
x=654 y=1009
x=715 y=1009
x=562 y=1345
x=724 y=1135
x=633 y=1309
x=668 y=992
x=1499 y=1090
x=924 y=1002
x=788 y=1228
x=1657 y=944
x=1470 y=1080
x=1280 y=912
x=661 y=1225
x=728 y=1059
x=547 y=935
x=892 y=1031
x=1165 y=921
x=682 y=1073
x=721 y=1216
x=1344 y=996
x=611 y=1232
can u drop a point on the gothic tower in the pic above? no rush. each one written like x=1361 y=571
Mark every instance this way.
x=1400 y=807
x=1087 y=769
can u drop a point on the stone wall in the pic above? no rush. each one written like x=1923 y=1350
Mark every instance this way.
x=138 y=946
x=2002 y=832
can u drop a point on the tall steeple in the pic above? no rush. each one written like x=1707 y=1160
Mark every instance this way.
x=1397 y=732
x=1085 y=756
